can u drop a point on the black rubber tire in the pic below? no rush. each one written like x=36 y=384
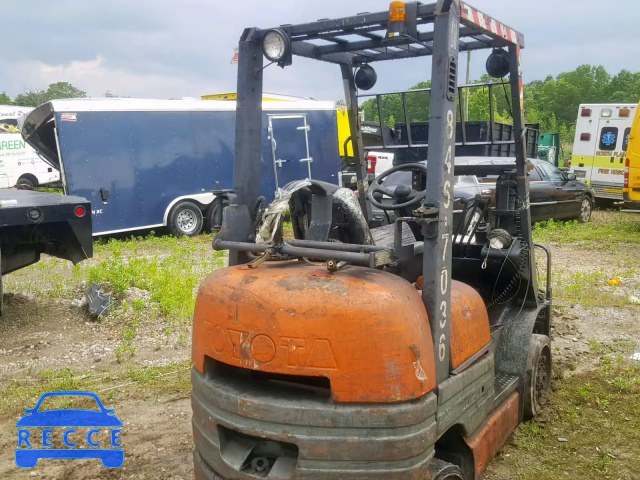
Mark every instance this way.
x=202 y=470
x=585 y=215
x=537 y=381
x=27 y=181
x=212 y=212
x=185 y=219
x=441 y=470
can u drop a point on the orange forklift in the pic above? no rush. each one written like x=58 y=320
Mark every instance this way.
x=410 y=350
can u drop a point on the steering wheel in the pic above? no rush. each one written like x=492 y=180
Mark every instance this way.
x=404 y=195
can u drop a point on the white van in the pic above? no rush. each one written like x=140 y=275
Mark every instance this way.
x=19 y=163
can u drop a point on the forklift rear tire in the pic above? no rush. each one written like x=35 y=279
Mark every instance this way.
x=538 y=376
x=185 y=219
x=441 y=470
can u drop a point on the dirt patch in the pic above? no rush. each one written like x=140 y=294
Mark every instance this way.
x=569 y=341
x=156 y=438
x=66 y=336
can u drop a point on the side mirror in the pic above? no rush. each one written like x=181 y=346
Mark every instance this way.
x=571 y=177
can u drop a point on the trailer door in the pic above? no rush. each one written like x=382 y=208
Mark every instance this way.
x=289 y=136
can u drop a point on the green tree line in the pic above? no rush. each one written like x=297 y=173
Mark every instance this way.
x=552 y=102
x=35 y=98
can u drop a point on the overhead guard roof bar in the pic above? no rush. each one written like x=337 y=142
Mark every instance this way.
x=477 y=31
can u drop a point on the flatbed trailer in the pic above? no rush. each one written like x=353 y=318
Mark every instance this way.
x=33 y=223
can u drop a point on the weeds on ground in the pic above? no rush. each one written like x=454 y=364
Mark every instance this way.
x=24 y=392
x=591 y=289
x=49 y=190
x=287 y=229
x=620 y=346
x=170 y=275
x=126 y=349
x=605 y=231
x=597 y=413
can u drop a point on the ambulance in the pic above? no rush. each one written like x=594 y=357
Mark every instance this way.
x=632 y=173
x=600 y=146
x=19 y=163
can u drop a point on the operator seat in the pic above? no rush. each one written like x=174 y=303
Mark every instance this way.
x=324 y=212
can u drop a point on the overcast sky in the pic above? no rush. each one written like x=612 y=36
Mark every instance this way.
x=163 y=49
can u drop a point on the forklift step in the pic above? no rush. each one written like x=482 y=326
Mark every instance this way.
x=505 y=385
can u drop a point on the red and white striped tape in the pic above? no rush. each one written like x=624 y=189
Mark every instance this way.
x=521 y=81
x=487 y=23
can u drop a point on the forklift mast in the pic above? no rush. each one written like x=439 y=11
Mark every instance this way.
x=442 y=30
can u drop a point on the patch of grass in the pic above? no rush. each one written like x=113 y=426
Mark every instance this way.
x=127 y=349
x=597 y=413
x=590 y=289
x=606 y=231
x=171 y=278
x=24 y=392
x=146 y=243
x=618 y=346
x=169 y=268
x=124 y=351
x=597 y=347
x=49 y=190
x=139 y=305
x=287 y=230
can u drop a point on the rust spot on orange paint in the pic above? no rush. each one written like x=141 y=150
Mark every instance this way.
x=314 y=282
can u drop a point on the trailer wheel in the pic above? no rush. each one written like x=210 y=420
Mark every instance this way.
x=537 y=380
x=441 y=470
x=185 y=218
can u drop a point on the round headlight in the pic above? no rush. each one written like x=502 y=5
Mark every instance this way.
x=498 y=64
x=274 y=45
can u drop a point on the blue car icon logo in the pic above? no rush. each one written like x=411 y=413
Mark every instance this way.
x=32 y=446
